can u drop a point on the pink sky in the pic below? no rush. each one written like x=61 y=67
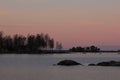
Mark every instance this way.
x=72 y=36
x=75 y=23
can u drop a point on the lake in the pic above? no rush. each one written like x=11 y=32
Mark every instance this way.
x=40 y=67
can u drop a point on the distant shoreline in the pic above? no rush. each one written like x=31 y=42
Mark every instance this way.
x=55 y=52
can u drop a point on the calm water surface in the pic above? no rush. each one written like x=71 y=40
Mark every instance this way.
x=40 y=67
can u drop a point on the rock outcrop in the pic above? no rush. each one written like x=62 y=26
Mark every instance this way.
x=68 y=63
x=107 y=63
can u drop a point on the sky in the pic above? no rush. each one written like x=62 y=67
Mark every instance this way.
x=72 y=22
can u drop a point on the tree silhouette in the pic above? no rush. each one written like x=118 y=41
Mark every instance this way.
x=8 y=44
x=38 y=41
x=31 y=43
x=19 y=42
x=58 y=45
x=1 y=41
x=85 y=49
x=51 y=44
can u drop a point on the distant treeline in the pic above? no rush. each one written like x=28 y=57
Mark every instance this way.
x=31 y=43
x=85 y=49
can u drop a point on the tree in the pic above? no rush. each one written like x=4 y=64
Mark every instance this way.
x=38 y=41
x=87 y=49
x=19 y=42
x=94 y=48
x=22 y=41
x=47 y=38
x=8 y=43
x=1 y=41
x=59 y=46
x=73 y=49
x=43 y=42
x=31 y=45
x=51 y=43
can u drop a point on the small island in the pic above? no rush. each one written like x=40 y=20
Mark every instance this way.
x=85 y=49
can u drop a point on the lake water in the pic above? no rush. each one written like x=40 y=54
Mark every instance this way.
x=40 y=67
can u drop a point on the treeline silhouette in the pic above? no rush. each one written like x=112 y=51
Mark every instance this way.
x=85 y=49
x=19 y=43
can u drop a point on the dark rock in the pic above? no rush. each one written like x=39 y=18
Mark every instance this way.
x=108 y=63
x=68 y=63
